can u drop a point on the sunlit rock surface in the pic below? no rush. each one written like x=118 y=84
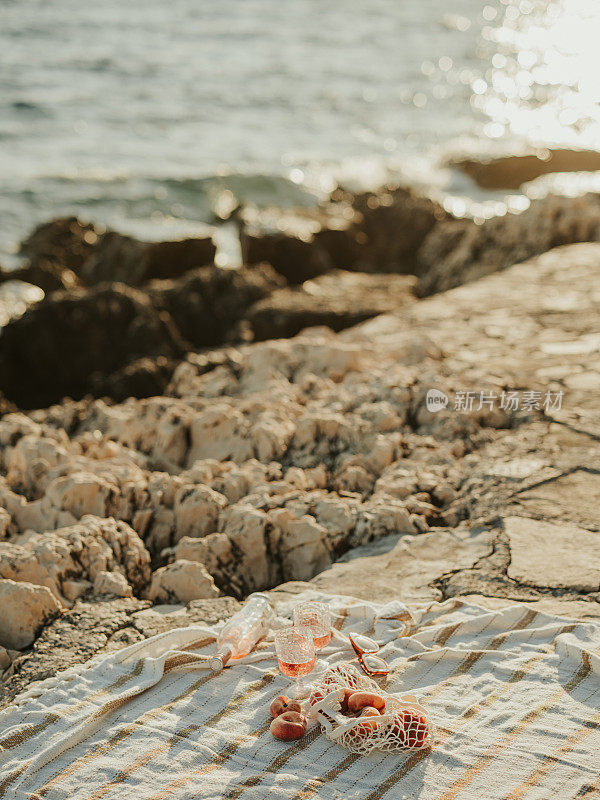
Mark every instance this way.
x=26 y=608
x=270 y=463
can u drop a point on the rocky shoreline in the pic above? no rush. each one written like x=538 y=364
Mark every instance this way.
x=201 y=458
x=124 y=313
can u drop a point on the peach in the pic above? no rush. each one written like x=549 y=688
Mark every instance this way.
x=368 y=711
x=283 y=703
x=320 y=693
x=411 y=728
x=289 y=726
x=363 y=729
x=346 y=700
x=359 y=700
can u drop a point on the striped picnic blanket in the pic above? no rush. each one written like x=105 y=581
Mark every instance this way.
x=514 y=694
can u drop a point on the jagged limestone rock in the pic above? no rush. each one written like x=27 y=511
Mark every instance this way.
x=25 y=610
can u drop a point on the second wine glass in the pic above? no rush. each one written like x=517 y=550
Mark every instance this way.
x=315 y=616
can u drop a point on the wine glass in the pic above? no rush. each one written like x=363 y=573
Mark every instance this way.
x=295 y=656
x=315 y=617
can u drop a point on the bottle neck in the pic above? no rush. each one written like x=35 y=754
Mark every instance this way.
x=220 y=659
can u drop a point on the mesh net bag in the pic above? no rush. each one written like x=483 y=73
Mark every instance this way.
x=403 y=725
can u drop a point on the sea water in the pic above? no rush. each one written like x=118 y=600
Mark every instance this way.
x=140 y=113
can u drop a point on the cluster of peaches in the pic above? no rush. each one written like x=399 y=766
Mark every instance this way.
x=404 y=726
x=290 y=723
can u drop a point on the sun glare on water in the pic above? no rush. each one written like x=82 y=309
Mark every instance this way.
x=543 y=83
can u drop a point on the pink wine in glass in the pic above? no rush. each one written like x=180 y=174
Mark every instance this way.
x=315 y=617
x=295 y=656
x=321 y=641
x=294 y=670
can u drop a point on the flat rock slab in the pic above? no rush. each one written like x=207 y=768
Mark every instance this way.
x=404 y=567
x=161 y=618
x=573 y=497
x=553 y=556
